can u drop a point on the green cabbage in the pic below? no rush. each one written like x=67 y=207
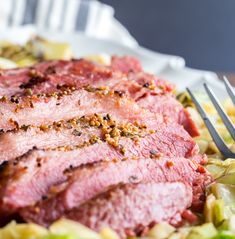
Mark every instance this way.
x=67 y=227
x=22 y=231
x=53 y=236
x=204 y=231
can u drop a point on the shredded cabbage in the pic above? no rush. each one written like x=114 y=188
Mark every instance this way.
x=36 y=49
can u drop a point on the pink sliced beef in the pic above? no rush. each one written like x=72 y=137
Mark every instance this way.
x=31 y=175
x=47 y=76
x=15 y=143
x=86 y=182
x=126 y=64
x=126 y=78
x=172 y=109
x=78 y=171
x=46 y=110
x=171 y=138
x=130 y=209
x=13 y=81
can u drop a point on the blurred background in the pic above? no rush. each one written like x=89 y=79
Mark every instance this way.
x=201 y=31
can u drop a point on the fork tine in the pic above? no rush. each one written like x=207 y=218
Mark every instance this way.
x=228 y=123
x=229 y=89
x=214 y=134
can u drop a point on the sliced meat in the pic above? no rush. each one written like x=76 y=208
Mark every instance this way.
x=126 y=64
x=130 y=209
x=35 y=172
x=170 y=138
x=47 y=76
x=13 y=81
x=46 y=110
x=82 y=103
x=15 y=143
x=168 y=106
x=86 y=182
x=162 y=102
x=77 y=72
x=31 y=175
x=56 y=76
x=89 y=128
x=188 y=123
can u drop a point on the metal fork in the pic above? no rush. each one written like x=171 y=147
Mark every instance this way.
x=225 y=151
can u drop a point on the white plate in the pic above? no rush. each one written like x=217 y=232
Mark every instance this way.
x=84 y=45
x=171 y=68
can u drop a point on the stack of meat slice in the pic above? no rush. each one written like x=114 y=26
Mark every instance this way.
x=103 y=145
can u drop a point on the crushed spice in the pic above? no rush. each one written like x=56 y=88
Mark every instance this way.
x=169 y=164
x=155 y=154
x=44 y=128
x=14 y=123
x=150 y=85
x=25 y=127
x=3 y=99
x=14 y=99
x=44 y=197
x=35 y=79
x=77 y=132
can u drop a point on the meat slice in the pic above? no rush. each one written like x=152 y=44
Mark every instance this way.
x=39 y=92
x=46 y=110
x=75 y=164
x=50 y=77
x=13 y=81
x=169 y=135
x=46 y=77
x=31 y=175
x=126 y=64
x=130 y=209
x=86 y=182
x=15 y=143
x=162 y=102
x=172 y=109
x=189 y=125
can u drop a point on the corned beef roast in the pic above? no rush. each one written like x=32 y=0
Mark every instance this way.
x=140 y=204
x=40 y=171
x=87 y=181
x=105 y=145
